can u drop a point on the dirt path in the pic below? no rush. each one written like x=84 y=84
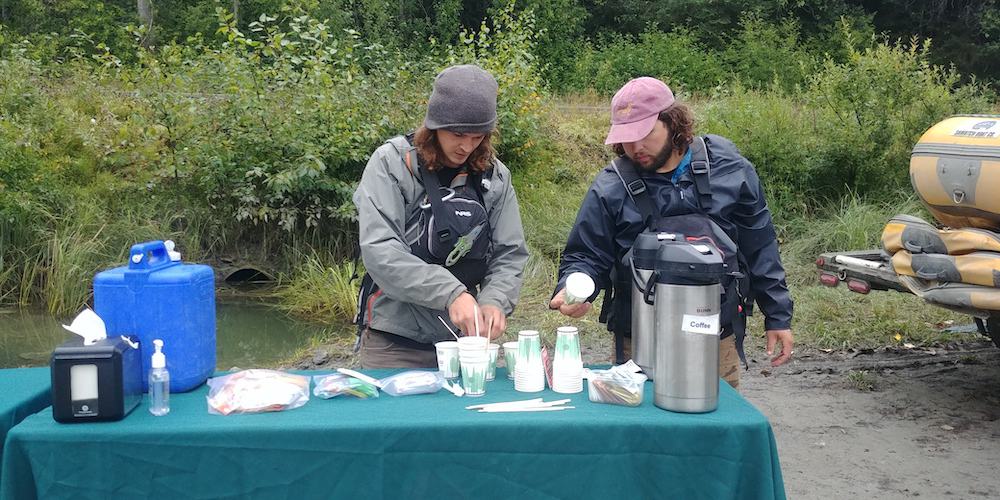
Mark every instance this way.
x=929 y=429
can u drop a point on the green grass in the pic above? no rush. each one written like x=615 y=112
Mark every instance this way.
x=861 y=380
x=321 y=290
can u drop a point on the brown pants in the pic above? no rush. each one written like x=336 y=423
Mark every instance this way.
x=379 y=351
x=729 y=360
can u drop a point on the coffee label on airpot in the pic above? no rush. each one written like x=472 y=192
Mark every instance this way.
x=706 y=325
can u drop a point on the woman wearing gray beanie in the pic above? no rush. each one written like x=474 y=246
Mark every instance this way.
x=439 y=230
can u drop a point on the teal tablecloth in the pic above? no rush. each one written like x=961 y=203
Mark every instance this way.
x=425 y=446
x=23 y=391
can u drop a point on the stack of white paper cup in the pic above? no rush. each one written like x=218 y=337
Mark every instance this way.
x=579 y=288
x=494 y=351
x=530 y=374
x=567 y=365
x=473 y=352
x=448 y=362
x=510 y=357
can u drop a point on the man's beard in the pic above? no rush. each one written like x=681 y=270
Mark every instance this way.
x=660 y=160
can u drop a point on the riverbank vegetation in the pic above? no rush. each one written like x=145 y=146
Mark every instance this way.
x=240 y=135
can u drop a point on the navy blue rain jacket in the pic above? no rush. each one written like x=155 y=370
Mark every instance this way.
x=609 y=221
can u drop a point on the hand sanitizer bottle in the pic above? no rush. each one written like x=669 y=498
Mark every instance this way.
x=159 y=382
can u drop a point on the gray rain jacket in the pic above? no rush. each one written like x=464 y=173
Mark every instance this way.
x=412 y=293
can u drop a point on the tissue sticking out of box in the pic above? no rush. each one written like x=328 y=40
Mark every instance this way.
x=88 y=325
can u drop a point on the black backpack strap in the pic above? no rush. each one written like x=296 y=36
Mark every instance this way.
x=636 y=189
x=476 y=180
x=701 y=170
x=433 y=188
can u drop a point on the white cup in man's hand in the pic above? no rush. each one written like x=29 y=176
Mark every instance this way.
x=579 y=288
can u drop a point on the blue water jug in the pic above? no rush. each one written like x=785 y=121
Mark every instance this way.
x=156 y=298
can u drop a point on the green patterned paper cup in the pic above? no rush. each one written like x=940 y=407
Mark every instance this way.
x=447 y=356
x=510 y=357
x=474 y=370
x=491 y=372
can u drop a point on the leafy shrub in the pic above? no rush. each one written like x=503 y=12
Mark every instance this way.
x=850 y=131
x=253 y=142
x=877 y=105
x=676 y=58
x=764 y=54
x=775 y=132
x=505 y=47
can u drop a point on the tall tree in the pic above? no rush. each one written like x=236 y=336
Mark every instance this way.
x=145 y=9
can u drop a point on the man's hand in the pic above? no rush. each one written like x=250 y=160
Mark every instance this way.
x=492 y=320
x=571 y=310
x=785 y=337
x=462 y=312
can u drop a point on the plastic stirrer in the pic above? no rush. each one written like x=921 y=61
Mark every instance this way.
x=476 y=308
x=523 y=401
x=360 y=376
x=452 y=332
x=524 y=404
x=529 y=408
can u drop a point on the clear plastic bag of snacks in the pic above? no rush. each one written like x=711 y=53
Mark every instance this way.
x=412 y=382
x=619 y=385
x=255 y=391
x=338 y=384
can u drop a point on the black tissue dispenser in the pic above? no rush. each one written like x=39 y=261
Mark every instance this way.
x=95 y=378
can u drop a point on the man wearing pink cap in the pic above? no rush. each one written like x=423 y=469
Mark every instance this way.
x=664 y=178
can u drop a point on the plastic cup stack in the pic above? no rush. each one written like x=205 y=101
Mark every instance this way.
x=510 y=357
x=530 y=374
x=491 y=373
x=473 y=352
x=448 y=362
x=567 y=366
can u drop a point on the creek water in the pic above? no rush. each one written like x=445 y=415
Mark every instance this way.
x=247 y=336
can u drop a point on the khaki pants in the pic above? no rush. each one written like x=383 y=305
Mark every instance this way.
x=379 y=351
x=729 y=360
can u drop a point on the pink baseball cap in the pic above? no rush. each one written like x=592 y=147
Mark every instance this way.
x=635 y=108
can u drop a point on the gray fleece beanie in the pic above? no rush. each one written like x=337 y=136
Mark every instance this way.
x=464 y=99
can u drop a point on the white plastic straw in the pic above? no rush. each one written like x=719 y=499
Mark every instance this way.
x=523 y=401
x=540 y=408
x=525 y=404
x=476 y=308
x=360 y=376
x=453 y=334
